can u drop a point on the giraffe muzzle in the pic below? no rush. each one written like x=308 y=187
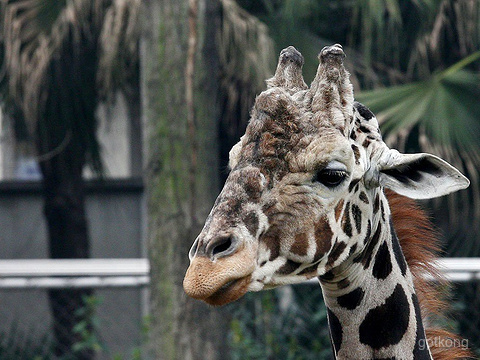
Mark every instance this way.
x=222 y=273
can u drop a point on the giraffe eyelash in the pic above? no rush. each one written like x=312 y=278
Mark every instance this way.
x=331 y=178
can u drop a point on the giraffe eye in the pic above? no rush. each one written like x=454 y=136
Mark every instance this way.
x=329 y=177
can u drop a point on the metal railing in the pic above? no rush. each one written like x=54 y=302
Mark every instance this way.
x=103 y=273
x=73 y=273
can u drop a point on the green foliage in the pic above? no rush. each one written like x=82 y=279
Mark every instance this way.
x=87 y=328
x=446 y=106
x=25 y=344
x=139 y=352
x=467 y=303
x=46 y=13
x=440 y=116
x=28 y=344
x=19 y=344
x=288 y=323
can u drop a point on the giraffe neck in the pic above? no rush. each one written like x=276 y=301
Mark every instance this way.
x=372 y=306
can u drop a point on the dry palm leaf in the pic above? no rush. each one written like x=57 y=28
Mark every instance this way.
x=34 y=31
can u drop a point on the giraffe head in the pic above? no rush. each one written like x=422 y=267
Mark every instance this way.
x=301 y=194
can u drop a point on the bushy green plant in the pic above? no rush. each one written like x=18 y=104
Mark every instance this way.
x=87 y=328
x=17 y=344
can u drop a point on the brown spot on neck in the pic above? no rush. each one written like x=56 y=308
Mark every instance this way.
x=337 y=250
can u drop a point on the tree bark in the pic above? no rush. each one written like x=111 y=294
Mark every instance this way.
x=66 y=132
x=64 y=210
x=182 y=175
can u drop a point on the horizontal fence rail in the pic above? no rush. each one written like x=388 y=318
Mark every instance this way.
x=74 y=273
x=104 y=273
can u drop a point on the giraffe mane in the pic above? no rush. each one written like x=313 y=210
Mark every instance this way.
x=421 y=246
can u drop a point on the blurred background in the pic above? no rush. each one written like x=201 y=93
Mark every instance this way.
x=116 y=121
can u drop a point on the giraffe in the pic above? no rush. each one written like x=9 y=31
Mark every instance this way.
x=306 y=197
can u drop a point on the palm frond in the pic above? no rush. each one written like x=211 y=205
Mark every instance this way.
x=451 y=33
x=246 y=60
x=120 y=33
x=376 y=24
x=438 y=115
x=245 y=48
x=417 y=37
x=33 y=32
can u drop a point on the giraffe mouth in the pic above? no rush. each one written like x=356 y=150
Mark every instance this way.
x=220 y=281
x=229 y=292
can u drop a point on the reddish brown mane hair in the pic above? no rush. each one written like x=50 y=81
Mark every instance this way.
x=421 y=245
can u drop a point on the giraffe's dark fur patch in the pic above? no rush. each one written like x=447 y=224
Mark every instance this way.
x=271 y=240
x=363 y=197
x=338 y=209
x=251 y=222
x=360 y=257
x=329 y=275
x=352 y=250
x=311 y=270
x=376 y=204
x=382 y=209
x=352 y=299
x=357 y=217
x=352 y=184
x=300 y=245
x=353 y=136
x=419 y=352
x=231 y=206
x=389 y=319
x=342 y=284
x=368 y=252
x=336 y=330
x=368 y=233
x=346 y=222
x=356 y=153
x=337 y=250
x=251 y=184
x=269 y=206
x=323 y=238
x=363 y=110
x=366 y=143
x=397 y=251
x=383 y=263
x=289 y=267
x=364 y=129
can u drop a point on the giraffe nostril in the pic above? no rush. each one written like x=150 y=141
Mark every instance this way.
x=222 y=246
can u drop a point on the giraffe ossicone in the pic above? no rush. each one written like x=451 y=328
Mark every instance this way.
x=305 y=198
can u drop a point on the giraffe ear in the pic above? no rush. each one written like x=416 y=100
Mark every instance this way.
x=419 y=176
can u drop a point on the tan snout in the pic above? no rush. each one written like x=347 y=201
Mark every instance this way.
x=220 y=280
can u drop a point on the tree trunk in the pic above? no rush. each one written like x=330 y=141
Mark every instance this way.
x=66 y=132
x=182 y=170
x=68 y=239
